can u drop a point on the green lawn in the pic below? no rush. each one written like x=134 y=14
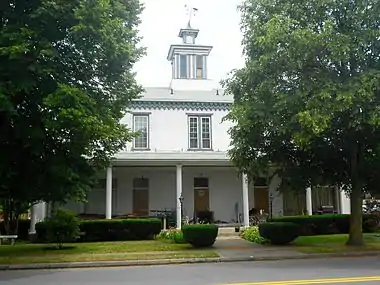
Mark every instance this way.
x=130 y=250
x=334 y=243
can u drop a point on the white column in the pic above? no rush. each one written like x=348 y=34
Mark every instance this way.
x=309 y=201
x=43 y=210
x=33 y=220
x=337 y=199
x=345 y=205
x=245 y=200
x=109 y=194
x=179 y=194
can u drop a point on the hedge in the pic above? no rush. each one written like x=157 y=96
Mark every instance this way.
x=279 y=233
x=111 y=230
x=200 y=235
x=328 y=224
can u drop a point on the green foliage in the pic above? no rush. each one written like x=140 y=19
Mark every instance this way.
x=328 y=224
x=252 y=234
x=200 y=235
x=111 y=230
x=279 y=233
x=307 y=101
x=171 y=235
x=62 y=227
x=66 y=81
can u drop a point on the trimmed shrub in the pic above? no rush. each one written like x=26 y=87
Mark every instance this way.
x=200 y=235
x=252 y=234
x=62 y=227
x=111 y=230
x=279 y=233
x=118 y=230
x=171 y=235
x=327 y=224
x=371 y=223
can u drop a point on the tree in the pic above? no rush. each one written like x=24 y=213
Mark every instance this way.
x=66 y=81
x=307 y=101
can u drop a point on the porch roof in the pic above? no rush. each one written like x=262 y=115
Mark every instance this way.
x=172 y=158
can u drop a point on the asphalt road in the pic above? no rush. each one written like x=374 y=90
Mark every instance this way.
x=244 y=273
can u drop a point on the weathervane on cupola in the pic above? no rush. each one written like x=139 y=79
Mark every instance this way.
x=190 y=11
x=189 y=59
x=189 y=34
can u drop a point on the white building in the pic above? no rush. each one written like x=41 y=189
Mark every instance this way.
x=182 y=153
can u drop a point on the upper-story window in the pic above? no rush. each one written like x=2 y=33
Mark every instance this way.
x=200 y=132
x=141 y=125
x=199 y=67
x=183 y=66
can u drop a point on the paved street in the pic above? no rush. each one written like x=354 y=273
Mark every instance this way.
x=208 y=274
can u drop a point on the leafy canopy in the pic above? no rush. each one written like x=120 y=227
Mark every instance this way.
x=66 y=81
x=308 y=99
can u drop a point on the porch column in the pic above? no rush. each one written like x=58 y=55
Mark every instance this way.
x=309 y=201
x=345 y=205
x=33 y=220
x=245 y=200
x=337 y=199
x=43 y=205
x=109 y=194
x=179 y=195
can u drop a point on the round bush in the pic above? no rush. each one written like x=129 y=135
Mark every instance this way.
x=279 y=233
x=201 y=235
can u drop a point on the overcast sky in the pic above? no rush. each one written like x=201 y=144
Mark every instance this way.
x=218 y=24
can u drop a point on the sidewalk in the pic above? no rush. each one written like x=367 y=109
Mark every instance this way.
x=236 y=247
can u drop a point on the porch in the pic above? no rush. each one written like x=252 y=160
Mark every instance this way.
x=185 y=190
x=148 y=190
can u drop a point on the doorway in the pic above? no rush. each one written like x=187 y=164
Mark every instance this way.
x=201 y=194
x=261 y=198
x=141 y=196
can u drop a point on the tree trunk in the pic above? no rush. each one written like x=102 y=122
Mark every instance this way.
x=356 y=219
x=10 y=217
x=356 y=199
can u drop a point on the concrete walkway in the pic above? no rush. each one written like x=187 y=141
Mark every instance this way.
x=236 y=247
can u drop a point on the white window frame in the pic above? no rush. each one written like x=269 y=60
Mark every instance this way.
x=135 y=116
x=199 y=68
x=199 y=119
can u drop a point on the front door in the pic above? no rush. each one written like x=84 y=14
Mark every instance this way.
x=261 y=198
x=141 y=196
x=201 y=194
x=201 y=200
x=141 y=202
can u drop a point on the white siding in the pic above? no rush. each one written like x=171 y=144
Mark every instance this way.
x=168 y=129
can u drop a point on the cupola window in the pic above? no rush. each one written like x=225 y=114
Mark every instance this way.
x=184 y=66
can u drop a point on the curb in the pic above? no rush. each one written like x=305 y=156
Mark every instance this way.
x=94 y=264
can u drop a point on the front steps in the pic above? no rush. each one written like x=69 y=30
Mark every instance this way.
x=227 y=232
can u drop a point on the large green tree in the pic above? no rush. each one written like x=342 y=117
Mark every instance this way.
x=65 y=82
x=307 y=101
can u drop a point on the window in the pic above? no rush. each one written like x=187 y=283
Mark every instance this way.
x=200 y=182
x=199 y=132
x=141 y=183
x=199 y=67
x=183 y=66
x=141 y=125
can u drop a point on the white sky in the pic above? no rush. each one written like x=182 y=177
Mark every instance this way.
x=218 y=24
